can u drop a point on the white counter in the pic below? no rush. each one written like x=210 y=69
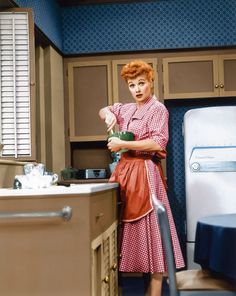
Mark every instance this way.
x=72 y=189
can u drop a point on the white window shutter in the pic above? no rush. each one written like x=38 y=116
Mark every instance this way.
x=15 y=125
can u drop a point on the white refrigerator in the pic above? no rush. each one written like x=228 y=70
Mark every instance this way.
x=210 y=166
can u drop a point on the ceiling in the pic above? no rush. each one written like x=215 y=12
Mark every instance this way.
x=84 y=2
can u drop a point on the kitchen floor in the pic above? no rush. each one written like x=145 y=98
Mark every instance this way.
x=135 y=286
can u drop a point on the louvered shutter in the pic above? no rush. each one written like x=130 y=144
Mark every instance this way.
x=15 y=103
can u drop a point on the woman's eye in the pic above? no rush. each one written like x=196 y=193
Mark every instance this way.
x=141 y=83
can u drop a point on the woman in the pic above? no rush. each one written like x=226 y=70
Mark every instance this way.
x=140 y=176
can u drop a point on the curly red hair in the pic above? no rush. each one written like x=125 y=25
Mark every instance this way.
x=136 y=68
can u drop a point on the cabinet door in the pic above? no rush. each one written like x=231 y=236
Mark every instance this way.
x=106 y=278
x=109 y=262
x=89 y=90
x=227 y=75
x=104 y=263
x=96 y=268
x=190 y=77
x=43 y=255
x=113 y=261
x=120 y=90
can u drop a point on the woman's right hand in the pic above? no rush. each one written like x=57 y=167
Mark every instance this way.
x=110 y=120
x=108 y=117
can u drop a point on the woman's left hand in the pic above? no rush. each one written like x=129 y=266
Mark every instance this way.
x=114 y=144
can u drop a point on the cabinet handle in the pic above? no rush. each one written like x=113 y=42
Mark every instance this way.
x=99 y=215
x=65 y=214
x=106 y=279
x=221 y=85
x=216 y=85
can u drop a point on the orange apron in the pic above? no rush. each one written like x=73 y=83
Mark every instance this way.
x=131 y=174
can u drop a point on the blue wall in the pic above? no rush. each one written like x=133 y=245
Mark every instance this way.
x=160 y=24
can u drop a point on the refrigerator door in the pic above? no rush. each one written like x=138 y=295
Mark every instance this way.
x=210 y=165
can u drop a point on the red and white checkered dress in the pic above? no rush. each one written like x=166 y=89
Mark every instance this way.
x=141 y=246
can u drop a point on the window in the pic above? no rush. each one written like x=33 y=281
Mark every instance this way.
x=17 y=84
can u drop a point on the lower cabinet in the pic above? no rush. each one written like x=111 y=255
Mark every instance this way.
x=42 y=253
x=104 y=263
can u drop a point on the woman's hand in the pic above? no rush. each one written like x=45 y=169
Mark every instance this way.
x=115 y=144
x=108 y=117
x=110 y=120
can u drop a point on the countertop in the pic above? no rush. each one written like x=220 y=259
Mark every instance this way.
x=81 y=181
x=58 y=190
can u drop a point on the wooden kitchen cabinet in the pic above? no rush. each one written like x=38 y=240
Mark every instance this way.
x=91 y=86
x=227 y=75
x=89 y=89
x=120 y=90
x=199 y=76
x=51 y=256
x=104 y=263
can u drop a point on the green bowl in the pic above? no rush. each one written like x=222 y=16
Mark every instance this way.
x=125 y=136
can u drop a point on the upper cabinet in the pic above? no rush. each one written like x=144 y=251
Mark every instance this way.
x=199 y=76
x=91 y=86
x=89 y=89
x=120 y=90
x=227 y=75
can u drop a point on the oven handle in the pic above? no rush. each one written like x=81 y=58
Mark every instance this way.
x=65 y=214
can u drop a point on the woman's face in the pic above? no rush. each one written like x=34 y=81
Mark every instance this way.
x=140 y=89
